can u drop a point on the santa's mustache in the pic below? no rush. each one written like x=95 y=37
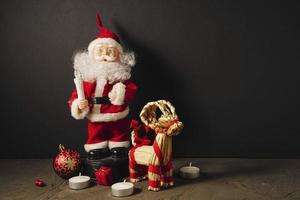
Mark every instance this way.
x=104 y=58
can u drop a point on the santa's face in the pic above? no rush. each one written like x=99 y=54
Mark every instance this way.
x=104 y=60
x=103 y=53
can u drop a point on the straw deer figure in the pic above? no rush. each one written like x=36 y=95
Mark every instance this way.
x=155 y=161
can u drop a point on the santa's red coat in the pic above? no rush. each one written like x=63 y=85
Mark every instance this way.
x=106 y=121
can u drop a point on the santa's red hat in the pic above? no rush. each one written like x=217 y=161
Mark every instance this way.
x=105 y=37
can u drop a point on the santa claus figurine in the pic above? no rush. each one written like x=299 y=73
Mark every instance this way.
x=105 y=72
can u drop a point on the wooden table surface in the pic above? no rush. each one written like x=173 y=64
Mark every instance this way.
x=221 y=179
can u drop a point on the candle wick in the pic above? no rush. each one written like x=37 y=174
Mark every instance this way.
x=124 y=180
x=190 y=164
x=79 y=173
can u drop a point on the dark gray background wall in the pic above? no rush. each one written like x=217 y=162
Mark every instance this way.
x=231 y=68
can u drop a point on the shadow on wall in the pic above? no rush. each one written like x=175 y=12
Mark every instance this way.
x=155 y=82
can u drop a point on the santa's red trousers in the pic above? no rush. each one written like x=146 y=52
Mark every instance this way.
x=117 y=131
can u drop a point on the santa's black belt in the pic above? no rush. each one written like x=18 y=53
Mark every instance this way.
x=98 y=100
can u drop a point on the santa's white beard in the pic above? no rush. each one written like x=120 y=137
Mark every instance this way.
x=92 y=71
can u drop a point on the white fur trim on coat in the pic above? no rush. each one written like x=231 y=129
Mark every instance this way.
x=100 y=145
x=117 y=94
x=113 y=144
x=108 y=41
x=107 y=117
x=76 y=113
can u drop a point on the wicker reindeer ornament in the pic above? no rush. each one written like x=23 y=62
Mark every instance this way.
x=155 y=161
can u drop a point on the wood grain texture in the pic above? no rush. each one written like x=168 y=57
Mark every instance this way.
x=220 y=179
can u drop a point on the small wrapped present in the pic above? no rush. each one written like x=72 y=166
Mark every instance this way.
x=104 y=176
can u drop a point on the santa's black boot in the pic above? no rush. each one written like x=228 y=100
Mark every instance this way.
x=97 y=154
x=119 y=152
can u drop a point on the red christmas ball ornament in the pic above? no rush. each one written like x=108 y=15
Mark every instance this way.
x=67 y=162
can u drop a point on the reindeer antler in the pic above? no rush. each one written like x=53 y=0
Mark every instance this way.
x=167 y=123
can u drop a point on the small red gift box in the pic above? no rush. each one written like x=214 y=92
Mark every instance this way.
x=104 y=176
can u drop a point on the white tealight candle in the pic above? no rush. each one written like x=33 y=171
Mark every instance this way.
x=122 y=189
x=79 y=182
x=189 y=172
